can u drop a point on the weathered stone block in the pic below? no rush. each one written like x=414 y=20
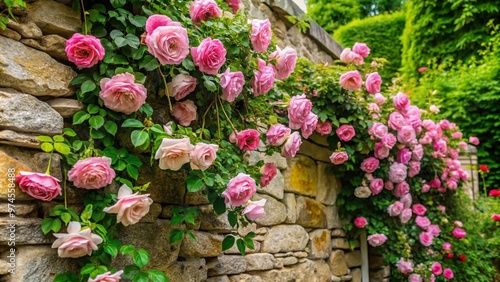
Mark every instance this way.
x=196 y=198
x=301 y=175
x=211 y=221
x=152 y=215
x=27 y=231
x=310 y=213
x=312 y=270
x=275 y=188
x=338 y=233
x=319 y=244
x=291 y=207
x=13 y=138
x=65 y=107
x=20 y=209
x=194 y=270
x=51 y=44
x=41 y=161
x=353 y=258
x=10 y=34
x=26 y=30
x=337 y=263
x=275 y=211
x=55 y=18
x=356 y=275
x=206 y=245
x=328 y=185
x=379 y=275
x=253 y=157
x=223 y=278
x=376 y=262
x=285 y=238
x=8 y=163
x=315 y=152
x=286 y=261
x=223 y=265
x=340 y=243
x=260 y=261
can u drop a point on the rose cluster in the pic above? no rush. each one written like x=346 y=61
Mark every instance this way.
x=173 y=153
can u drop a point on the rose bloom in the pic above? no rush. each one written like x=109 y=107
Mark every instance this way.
x=381 y=151
x=406 y=267
x=405 y=215
x=459 y=233
x=209 y=56
x=436 y=268
x=361 y=49
x=417 y=152
x=184 y=112
x=203 y=155
x=419 y=209
x=203 y=10
x=234 y=5
x=232 y=84
x=338 y=158
x=130 y=207
x=462 y=258
x=434 y=230
x=448 y=273
x=415 y=278
x=309 y=125
x=406 y=199
x=401 y=102
x=345 y=132
x=447 y=246
x=369 y=165
x=373 y=82
x=403 y=156
x=348 y=56
x=166 y=40
x=378 y=130
x=324 y=128
x=351 y=80
x=495 y=217
x=38 y=185
x=261 y=35
x=107 y=277
x=422 y=222
x=406 y=134
x=84 y=50
x=389 y=185
x=462 y=145
x=92 y=173
x=76 y=243
x=458 y=223
x=362 y=192
x=414 y=168
x=435 y=183
x=263 y=79
x=474 y=140
x=285 y=61
x=122 y=94
x=402 y=188
x=239 y=190
x=397 y=172
x=389 y=140
x=376 y=185
x=379 y=99
x=376 y=240
x=181 y=85
x=268 y=171
x=291 y=146
x=395 y=209
x=277 y=134
x=360 y=222
x=254 y=209
x=396 y=121
x=173 y=153
x=484 y=168
x=456 y=135
x=248 y=139
x=494 y=193
x=299 y=109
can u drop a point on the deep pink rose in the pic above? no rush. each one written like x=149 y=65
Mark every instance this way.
x=406 y=267
x=309 y=125
x=203 y=155
x=397 y=172
x=180 y=86
x=324 y=128
x=403 y=156
x=351 y=80
x=436 y=268
x=448 y=273
x=376 y=240
x=422 y=222
x=232 y=84
x=401 y=102
x=381 y=151
x=361 y=49
x=203 y=10
x=474 y=140
x=447 y=246
x=426 y=238
x=378 y=130
x=285 y=61
x=38 y=185
x=338 y=158
x=369 y=165
x=379 y=98
x=389 y=140
x=345 y=132
x=184 y=112
x=360 y=222
x=166 y=40
x=406 y=134
x=255 y=209
x=395 y=209
x=434 y=230
x=405 y=215
x=414 y=168
x=348 y=56
x=263 y=79
x=419 y=209
x=84 y=50
x=277 y=134
x=435 y=183
x=373 y=82
x=389 y=185
x=234 y=5
x=261 y=35
x=415 y=278
x=209 y=56
x=459 y=233
x=107 y=277
x=376 y=185
x=396 y=121
x=452 y=185
x=248 y=139
x=131 y=207
x=298 y=110
x=239 y=190
x=155 y=21
x=401 y=189
x=428 y=124
x=445 y=124
x=173 y=153
x=92 y=173
x=122 y=94
x=268 y=171
x=291 y=146
x=76 y=243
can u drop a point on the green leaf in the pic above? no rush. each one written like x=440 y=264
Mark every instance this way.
x=77 y=145
x=140 y=277
x=132 y=123
x=47 y=147
x=343 y=120
x=133 y=41
x=111 y=127
x=96 y=122
x=210 y=85
x=62 y=148
x=241 y=246
x=97 y=134
x=219 y=206
x=79 y=117
x=69 y=132
x=193 y=183
x=228 y=242
x=138 y=21
x=133 y=160
x=115 y=33
x=120 y=42
x=87 y=269
x=93 y=109
x=88 y=86
x=127 y=249
x=66 y=217
x=44 y=138
x=175 y=236
x=118 y=3
x=149 y=63
x=157 y=276
x=188 y=64
x=66 y=277
x=79 y=79
x=58 y=138
x=141 y=258
x=46 y=225
x=147 y=109
x=132 y=172
x=56 y=225
x=112 y=250
x=139 y=137
x=232 y=218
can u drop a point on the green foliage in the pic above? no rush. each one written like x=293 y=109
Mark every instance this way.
x=4 y=18
x=332 y=14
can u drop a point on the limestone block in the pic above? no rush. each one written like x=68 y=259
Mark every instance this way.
x=275 y=211
x=353 y=258
x=314 y=151
x=223 y=265
x=284 y=274
x=356 y=275
x=206 y=245
x=8 y=163
x=244 y=278
x=291 y=207
x=328 y=185
x=55 y=18
x=253 y=157
x=211 y=221
x=41 y=161
x=223 y=278
x=310 y=213
x=319 y=244
x=194 y=270
x=196 y=198
x=260 y=261
x=286 y=261
x=65 y=107
x=312 y=271
x=285 y=238
x=10 y=34
x=27 y=231
x=152 y=215
x=319 y=139
x=338 y=233
x=379 y=275
x=332 y=217
x=20 y=209
x=26 y=29
x=4 y=267
x=337 y=263
x=275 y=188
x=300 y=177
x=51 y=44
x=340 y=243
x=27 y=140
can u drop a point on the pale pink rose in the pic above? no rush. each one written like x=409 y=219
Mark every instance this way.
x=84 y=50
x=389 y=140
x=351 y=80
x=309 y=125
x=414 y=168
x=401 y=102
x=442 y=208
x=248 y=139
x=406 y=267
x=407 y=200
x=369 y=165
x=277 y=134
x=234 y=5
x=76 y=243
x=440 y=147
x=453 y=154
x=38 y=185
x=459 y=233
x=131 y=207
x=254 y=209
x=405 y=215
x=361 y=49
x=376 y=240
x=298 y=110
x=285 y=61
x=232 y=84
x=155 y=21
x=261 y=35
x=397 y=172
x=209 y=56
x=232 y=137
x=203 y=10
x=181 y=85
x=291 y=146
x=425 y=188
x=167 y=41
x=338 y=158
x=239 y=190
x=401 y=189
x=419 y=209
x=445 y=124
x=360 y=222
x=403 y=156
x=373 y=82
x=379 y=99
x=381 y=151
x=374 y=108
x=406 y=134
x=422 y=222
x=417 y=152
x=415 y=278
x=389 y=185
x=428 y=124
x=376 y=185
x=448 y=273
x=345 y=132
x=395 y=209
x=263 y=79
x=362 y=192
x=396 y=121
x=462 y=145
x=173 y=153
x=447 y=246
x=436 y=268
x=92 y=173
x=268 y=171
x=474 y=140
x=378 y=130
x=203 y=155
x=324 y=128
x=122 y=94
x=168 y=127
x=456 y=135
x=452 y=185
x=425 y=238
x=434 y=230
x=348 y=56
x=184 y=112
x=432 y=278
x=107 y=277
x=458 y=223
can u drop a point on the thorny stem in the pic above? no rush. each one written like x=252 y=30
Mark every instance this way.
x=204 y=115
x=225 y=114
x=218 y=117
x=166 y=89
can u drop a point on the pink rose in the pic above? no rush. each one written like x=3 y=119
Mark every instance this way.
x=422 y=222
x=417 y=152
x=436 y=268
x=401 y=102
x=92 y=173
x=425 y=188
x=406 y=267
x=397 y=172
x=414 y=168
x=376 y=185
x=268 y=171
x=379 y=99
x=452 y=185
x=361 y=49
x=84 y=50
x=277 y=134
x=419 y=209
x=255 y=209
x=456 y=135
x=458 y=223
x=184 y=112
x=203 y=155
x=396 y=121
x=378 y=130
x=324 y=128
x=428 y=125
x=263 y=79
x=435 y=183
x=234 y=5
x=459 y=233
x=434 y=230
x=76 y=243
x=415 y=278
x=406 y=134
x=291 y=146
x=369 y=165
x=309 y=125
x=401 y=189
x=405 y=215
x=285 y=61
x=376 y=240
x=351 y=80
x=131 y=207
x=210 y=55
x=239 y=190
x=448 y=273
x=381 y=151
x=345 y=132
x=389 y=185
x=426 y=238
x=261 y=35
x=373 y=82
x=248 y=139
x=107 y=277
x=395 y=209
x=166 y=40
x=122 y=94
x=447 y=246
x=360 y=222
x=406 y=199
x=38 y=185
x=298 y=110
x=474 y=140
x=232 y=84
x=404 y=156
x=155 y=21
x=181 y=85
x=462 y=145
x=204 y=10
x=168 y=127
x=389 y=140
x=445 y=124
x=338 y=158
x=173 y=153
x=348 y=56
